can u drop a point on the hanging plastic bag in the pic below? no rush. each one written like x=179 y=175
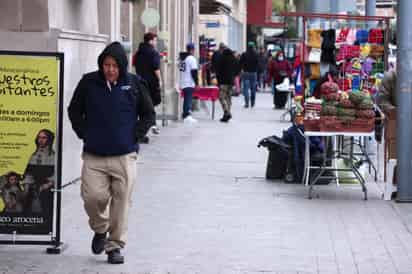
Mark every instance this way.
x=314 y=55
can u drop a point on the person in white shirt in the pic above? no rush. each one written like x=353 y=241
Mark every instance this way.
x=188 y=80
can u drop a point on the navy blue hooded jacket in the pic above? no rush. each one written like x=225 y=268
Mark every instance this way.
x=110 y=121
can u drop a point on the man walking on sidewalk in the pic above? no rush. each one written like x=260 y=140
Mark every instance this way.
x=249 y=63
x=109 y=110
x=147 y=64
x=227 y=70
x=188 y=80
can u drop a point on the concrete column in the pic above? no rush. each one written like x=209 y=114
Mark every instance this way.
x=404 y=111
x=131 y=36
x=138 y=28
x=115 y=34
x=317 y=6
x=196 y=25
x=334 y=6
x=370 y=9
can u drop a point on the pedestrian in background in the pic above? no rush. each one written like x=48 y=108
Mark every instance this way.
x=262 y=68
x=188 y=80
x=279 y=69
x=237 y=84
x=249 y=64
x=227 y=70
x=147 y=64
x=109 y=111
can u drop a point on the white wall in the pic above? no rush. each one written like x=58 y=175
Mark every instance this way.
x=23 y=15
x=28 y=41
x=223 y=33
x=220 y=34
x=80 y=15
x=67 y=26
x=80 y=57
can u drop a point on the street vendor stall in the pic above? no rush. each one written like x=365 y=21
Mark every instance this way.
x=345 y=107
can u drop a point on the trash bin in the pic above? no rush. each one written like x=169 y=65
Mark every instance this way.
x=276 y=166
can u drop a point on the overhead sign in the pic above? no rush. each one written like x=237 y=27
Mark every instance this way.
x=211 y=25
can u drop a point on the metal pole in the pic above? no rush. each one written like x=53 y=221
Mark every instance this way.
x=370 y=10
x=404 y=97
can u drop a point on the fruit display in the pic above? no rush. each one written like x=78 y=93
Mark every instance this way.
x=341 y=111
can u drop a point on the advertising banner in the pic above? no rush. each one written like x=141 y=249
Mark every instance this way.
x=30 y=118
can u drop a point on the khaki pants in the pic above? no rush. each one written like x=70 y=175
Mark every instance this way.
x=107 y=185
x=225 y=97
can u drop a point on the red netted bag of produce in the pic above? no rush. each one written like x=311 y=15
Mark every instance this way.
x=328 y=88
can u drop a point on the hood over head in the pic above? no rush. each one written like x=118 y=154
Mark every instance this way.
x=118 y=53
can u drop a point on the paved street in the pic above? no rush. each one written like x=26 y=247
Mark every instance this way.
x=202 y=205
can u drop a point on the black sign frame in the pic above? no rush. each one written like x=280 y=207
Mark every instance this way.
x=55 y=237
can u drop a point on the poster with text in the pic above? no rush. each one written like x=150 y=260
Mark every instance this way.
x=29 y=122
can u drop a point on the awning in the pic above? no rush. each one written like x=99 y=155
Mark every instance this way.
x=213 y=7
x=260 y=14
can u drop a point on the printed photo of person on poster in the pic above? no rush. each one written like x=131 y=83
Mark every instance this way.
x=12 y=193
x=39 y=175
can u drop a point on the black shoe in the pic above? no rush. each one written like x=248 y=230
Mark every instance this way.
x=115 y=257
x=246 y=106
x=225 y=118
x=98 y=242
x=143 y=140
x=229 y=116
x=253 y=104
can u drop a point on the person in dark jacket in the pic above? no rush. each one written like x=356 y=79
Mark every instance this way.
x=147 y=64
x=227 y=71
x=110 y=109
x=216 y=59
x=249 y=64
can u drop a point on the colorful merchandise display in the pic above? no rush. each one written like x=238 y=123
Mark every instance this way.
x=358 y=55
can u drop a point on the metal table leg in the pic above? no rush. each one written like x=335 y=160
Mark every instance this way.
x=313 y=182
x=213 y=109
x=361 y=179
x=306 y=171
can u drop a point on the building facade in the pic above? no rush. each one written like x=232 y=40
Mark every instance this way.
x=79 y=29
x=226 y=24
x=383 y=7
x=177 y=26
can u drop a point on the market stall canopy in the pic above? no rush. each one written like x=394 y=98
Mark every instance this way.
x=213 y=7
